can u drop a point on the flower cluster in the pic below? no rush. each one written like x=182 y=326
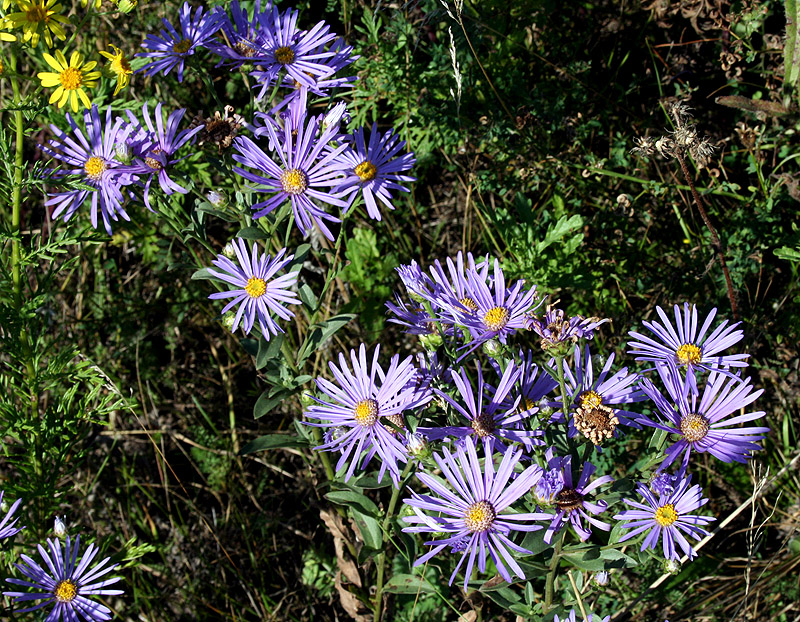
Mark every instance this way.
x=112 y=155
x=508 y=445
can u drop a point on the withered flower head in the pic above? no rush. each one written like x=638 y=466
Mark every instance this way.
x=220 y=129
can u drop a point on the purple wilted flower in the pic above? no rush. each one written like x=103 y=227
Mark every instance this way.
x=155 y=148
x=7 y=530
x=375 y=169
x=667 y=515
x=172 y=49
x=303 y=174
x=256 y=293
x=499 y=311
x=66 y=583
x=594 y=416
x=284 y=47
x=472 y=510
x=91 y=155
x=688 y=346
x=570 y=501
x=362 y=400
x=702 y=423
x=556 y=330
x=490 y=415
x=571 y=617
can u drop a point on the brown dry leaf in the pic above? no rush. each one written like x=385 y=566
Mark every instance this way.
x=350 y=603
x=469 y=616
x=340 y=533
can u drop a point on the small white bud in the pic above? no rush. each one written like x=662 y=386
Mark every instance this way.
x=60 y=526
x=229 y=251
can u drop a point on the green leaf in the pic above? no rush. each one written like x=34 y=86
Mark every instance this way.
x=266 y=403
x=321 y=333
x=203 y=273
x=308 y=297
x=353 y=499
x=369 y=527
x=595 y=559
x=273 y=441
x=561 y=229
x=268 y=350
x=408 y=584
x=252 y=233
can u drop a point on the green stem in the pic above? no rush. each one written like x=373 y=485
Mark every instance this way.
x=551 y=574
x=381 y=561
x=16 y=277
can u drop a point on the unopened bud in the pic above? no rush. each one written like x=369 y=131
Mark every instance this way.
x=60 y=526
x=228 y=320
x=601 y=578
x=229 y=251
x=672 y=566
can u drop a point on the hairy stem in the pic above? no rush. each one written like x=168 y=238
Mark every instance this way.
x=715 y=243
x=380 y=562
x=551 y=574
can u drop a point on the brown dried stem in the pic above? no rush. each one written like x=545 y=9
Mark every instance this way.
x=715 y=243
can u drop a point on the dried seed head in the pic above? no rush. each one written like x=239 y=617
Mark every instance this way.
x=596 y=422
x=645 y=147
x=685 y=136
x=702 y=152
x=666 y=147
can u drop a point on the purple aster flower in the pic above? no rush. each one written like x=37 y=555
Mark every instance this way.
x=257 y=294
x=570 y=501
x=244 y=36
x=594 y=416
x=668 y=515
x=92 y=156
x=474 y=509
x=701 y=422
x=499 y=311
x=172 y=49
x=303 y=174
x=66 y=583
x=571 y=617
x=155 y=148
x=364 y=400
x=662 y=483
x=531 y=386
x=416 y=319
x=284 y=47
x=453 y=296
x=688 y=346
x=8 y=530
x=375 y=169
x=490 y=415
x=556 y=330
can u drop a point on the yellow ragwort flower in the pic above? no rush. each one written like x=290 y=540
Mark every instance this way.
x=37 y=18
x=70 y=78
x=119 y=67
x=96 y=3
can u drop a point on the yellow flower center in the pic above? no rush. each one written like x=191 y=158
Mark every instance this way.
x=569 y=499
x=483 y=425
x=71 y=78
x=366 y=413
x=469 y=303
x=666 y=515
x=94 y=168
x=496 y=318
x=480 y=516
x=153 y=164
x=255 y=287
x=36 y=13
x=689 y=353
x=590 y=399
x=694 y=427
x=366 y=171
x=182 y=46
x=284 y=55
x=294 y=181
x=65 y=591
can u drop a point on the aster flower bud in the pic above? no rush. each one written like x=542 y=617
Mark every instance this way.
x=217 y=199
x=672 y=566
x=228 y=320
x=306 y=399
x=601 y=578
x=417 y=445
x=431 y=342
x=493 y=348
x=229 y=251
x=60 y=526
x=122 y=152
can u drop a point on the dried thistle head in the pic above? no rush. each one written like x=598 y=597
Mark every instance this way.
x=219 y=129
x=645 y=146
x=702 y=152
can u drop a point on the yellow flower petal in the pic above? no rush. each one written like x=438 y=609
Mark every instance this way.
x=84 y=98
x=74 y=101
x=61 y=59
x=90 y=65
x=53 y=62
x=49 y=79
x=56 y=95
x=76 y=60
